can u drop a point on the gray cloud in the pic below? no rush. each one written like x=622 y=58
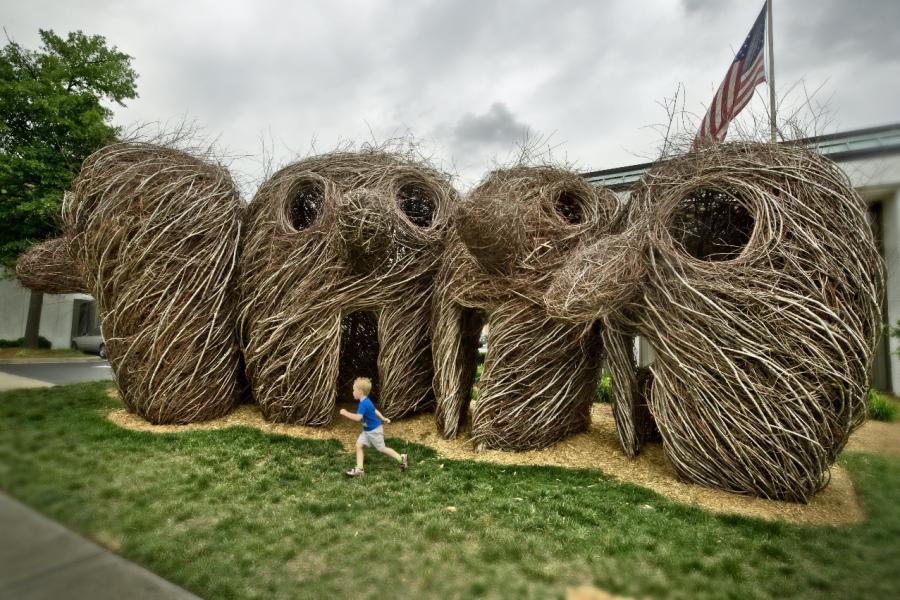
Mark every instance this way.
x=836 y=30
x=694 y=7
x=497 y=126
x=590 y=73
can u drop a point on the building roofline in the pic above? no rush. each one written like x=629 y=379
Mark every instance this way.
x=867 y=131
x=843 y=146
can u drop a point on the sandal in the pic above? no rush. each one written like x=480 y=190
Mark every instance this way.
x=404 y=462
x=354 y=472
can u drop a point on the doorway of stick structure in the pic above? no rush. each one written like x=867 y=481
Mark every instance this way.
x=474 y=338
x=359 y=354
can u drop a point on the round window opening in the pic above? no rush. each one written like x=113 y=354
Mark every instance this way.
x=568 y=205
x=306 y=204
x=712 y=225
x=417 y=203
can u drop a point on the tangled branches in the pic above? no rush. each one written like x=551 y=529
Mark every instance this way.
x=155 y=233
x=539 y=376
x=48 y=268
x=750 y=268
x=760 y=291
x=337 y=267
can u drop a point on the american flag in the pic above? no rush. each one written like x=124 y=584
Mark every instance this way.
x=745 y=73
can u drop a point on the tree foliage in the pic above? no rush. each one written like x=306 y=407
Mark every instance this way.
x=52 y=117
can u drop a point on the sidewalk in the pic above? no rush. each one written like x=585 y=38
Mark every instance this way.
x=38 y=374
x=40 y=360
x=8 y=381
x=41 y=559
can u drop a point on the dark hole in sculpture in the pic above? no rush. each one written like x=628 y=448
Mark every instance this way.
x=471 y=354
x=568 y=205
x=306 y=204
x=712 y=225
x=417 y=203
x=359 y=353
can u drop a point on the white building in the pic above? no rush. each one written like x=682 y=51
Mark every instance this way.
x=871 y=160
x=63 y=316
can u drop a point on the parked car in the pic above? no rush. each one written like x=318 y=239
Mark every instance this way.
x=90 y=343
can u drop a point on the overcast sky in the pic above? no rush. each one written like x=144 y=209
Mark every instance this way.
x=468 y=78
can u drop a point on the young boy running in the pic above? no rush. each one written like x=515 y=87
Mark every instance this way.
x=373 y=432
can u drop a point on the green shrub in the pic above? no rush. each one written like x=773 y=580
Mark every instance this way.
x=880 y=408
x=604 y=389
x=19 y=343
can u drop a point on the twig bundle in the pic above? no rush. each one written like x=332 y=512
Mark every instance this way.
x=47 y=267
x=337 y=269
x=760 y=291
x=539 y=375
x=155 y=232
x=751 y=269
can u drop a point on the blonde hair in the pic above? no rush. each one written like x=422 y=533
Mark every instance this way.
x=363 y=384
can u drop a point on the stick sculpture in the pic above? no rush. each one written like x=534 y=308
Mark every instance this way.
x=750 y=268
x=753 y=272
x=154 y=233
x=337 y=272
x=48 y=268
x=540 y=375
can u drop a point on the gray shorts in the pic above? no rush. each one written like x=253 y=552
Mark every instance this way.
x=374 y=438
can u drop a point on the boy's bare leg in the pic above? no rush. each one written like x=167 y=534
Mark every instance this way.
x=360 y=457
x=390 y=452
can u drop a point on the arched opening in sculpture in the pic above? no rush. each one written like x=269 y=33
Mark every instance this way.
x=712 y=224
x=417 y=203
x=305 y=203
x=569 y=205
x=359 y=353
x=464 y=354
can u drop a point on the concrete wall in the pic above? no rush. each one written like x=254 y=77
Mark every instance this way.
x=873 y=174
x=13 y=308
x=877 y=179
x=56 y=314
x=891 y=241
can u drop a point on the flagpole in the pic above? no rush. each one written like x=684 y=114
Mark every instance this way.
x=771 y=76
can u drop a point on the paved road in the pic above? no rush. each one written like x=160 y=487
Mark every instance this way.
x=41 y=559
x=14 y=376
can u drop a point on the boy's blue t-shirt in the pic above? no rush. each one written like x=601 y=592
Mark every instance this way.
x=367 y=410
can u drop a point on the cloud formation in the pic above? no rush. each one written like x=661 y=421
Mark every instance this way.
x=497 y=126
x=467 y=76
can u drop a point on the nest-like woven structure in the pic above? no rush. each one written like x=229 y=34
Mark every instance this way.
x=337 y=271
x=753 y=272
x=48 y=268
x=512 y=232
x=155 y=233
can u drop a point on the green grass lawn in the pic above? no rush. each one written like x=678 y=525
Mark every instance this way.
x=238 y=513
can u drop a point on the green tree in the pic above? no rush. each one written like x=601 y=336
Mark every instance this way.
x=51 y=119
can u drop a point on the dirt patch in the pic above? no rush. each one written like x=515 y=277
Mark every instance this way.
x=597 y=449
x=876 y=437
x=587 y=592
x=107 y=540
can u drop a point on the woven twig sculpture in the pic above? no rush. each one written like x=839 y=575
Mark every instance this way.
x=337 y=271
x=539 y=375
x=759 y=286
x=155 y=234
x=47 y=267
